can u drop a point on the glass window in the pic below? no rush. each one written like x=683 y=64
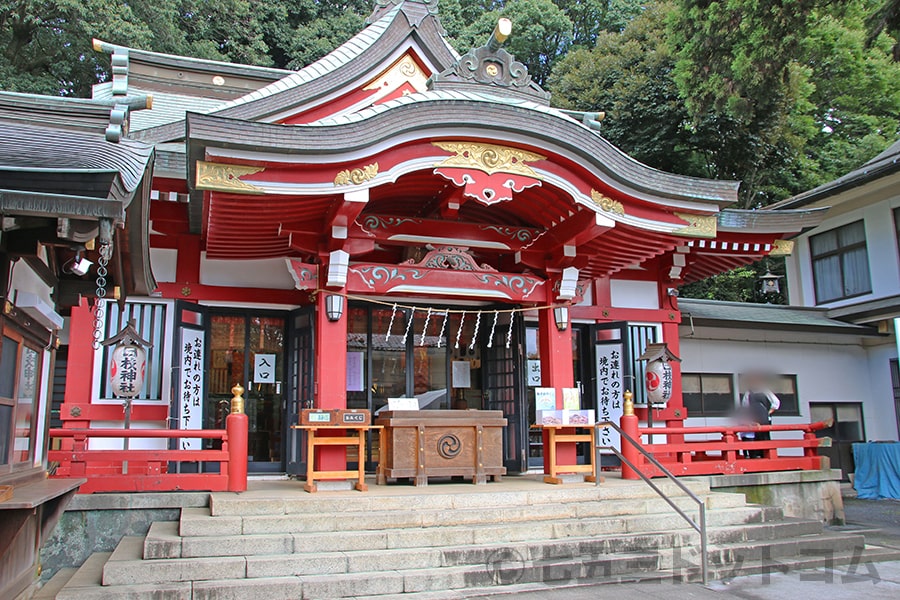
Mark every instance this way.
x=785 y=387
x=708 y=394
x=840 y=263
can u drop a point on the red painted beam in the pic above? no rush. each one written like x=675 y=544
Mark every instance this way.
x=196 y=291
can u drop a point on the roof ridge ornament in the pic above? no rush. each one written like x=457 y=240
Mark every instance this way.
x=492 y=66
x=382 y=7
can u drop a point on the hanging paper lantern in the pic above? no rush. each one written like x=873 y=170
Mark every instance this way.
x=659 y=382
x=126 y=370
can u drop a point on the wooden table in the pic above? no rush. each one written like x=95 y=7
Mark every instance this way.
x=554 y=437
x=314 y=441
x=420 y=444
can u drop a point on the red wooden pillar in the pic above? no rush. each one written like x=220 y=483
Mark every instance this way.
x=80 y=368
x=557 y=371
x=331 y=376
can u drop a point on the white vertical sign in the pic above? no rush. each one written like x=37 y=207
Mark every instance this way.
x=609 y=391
x=192 y=384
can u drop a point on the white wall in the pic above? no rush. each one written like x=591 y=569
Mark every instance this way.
x=829 y=368
x=164 y=262
x=626 y=293
x=882 y=247
x=267 y=273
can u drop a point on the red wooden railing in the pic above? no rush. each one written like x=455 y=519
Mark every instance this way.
x=725 y=453
x=147 y=469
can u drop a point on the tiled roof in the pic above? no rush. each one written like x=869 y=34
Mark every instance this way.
x=167 y=108
x=764 y=316
x=330 y=62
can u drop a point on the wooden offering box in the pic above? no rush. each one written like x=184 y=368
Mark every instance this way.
x=441 y=443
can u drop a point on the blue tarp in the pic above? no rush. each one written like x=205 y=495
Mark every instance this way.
x=877 y=470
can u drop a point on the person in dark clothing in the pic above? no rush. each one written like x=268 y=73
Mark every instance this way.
x=758 y=403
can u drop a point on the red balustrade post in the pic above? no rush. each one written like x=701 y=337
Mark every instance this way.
x=629 y=424
x=237 y=426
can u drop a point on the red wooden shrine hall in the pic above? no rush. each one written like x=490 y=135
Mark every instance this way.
x=397 y=175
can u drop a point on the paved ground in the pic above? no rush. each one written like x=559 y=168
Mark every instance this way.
x=879 y=520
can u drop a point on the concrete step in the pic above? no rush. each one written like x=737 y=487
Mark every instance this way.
x=231 y=504
x=200 y=522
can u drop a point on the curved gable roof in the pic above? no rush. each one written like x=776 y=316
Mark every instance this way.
x=436 y=112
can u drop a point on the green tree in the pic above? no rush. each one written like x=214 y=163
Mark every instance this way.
x=46 y=44
x=885 y=19
x=628 y=75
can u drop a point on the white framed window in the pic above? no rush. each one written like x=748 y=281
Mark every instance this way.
x=840 y=263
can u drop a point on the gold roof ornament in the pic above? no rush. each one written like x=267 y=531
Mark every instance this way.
x=217 y=177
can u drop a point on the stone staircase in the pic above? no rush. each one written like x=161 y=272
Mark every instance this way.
x=438 y=543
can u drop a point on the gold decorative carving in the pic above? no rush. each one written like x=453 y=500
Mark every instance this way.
x=218 y=177
x=489 y=158
x=356 y=176
x=607 y=204
x=405 y=70
x=782 y=248
x=699 y=226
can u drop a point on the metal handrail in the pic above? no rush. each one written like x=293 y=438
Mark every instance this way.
x=698 y=527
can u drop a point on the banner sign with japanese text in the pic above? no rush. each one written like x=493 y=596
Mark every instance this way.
x=190 y=397
x=609 y=391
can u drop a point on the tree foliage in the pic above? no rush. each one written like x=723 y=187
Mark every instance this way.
x=782 y=95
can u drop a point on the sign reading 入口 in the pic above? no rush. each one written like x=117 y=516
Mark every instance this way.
x=264 y=368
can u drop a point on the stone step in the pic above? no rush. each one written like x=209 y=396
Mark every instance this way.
x=50 y=588
x=844 y=564
x=126 y=566
x=199 y=522
x=231 y=504
x=86 y=584
x=317 y=544
x=273 y=555
x=822 y=545
x=162 y=541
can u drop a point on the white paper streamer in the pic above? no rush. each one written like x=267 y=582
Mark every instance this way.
x=412 y=313
x=462 y=321
x=475 y=335
x=425 y=329
x=387 y=336
x=443 y=327
x=493 y=328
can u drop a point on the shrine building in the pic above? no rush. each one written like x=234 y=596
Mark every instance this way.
x=398 y=220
